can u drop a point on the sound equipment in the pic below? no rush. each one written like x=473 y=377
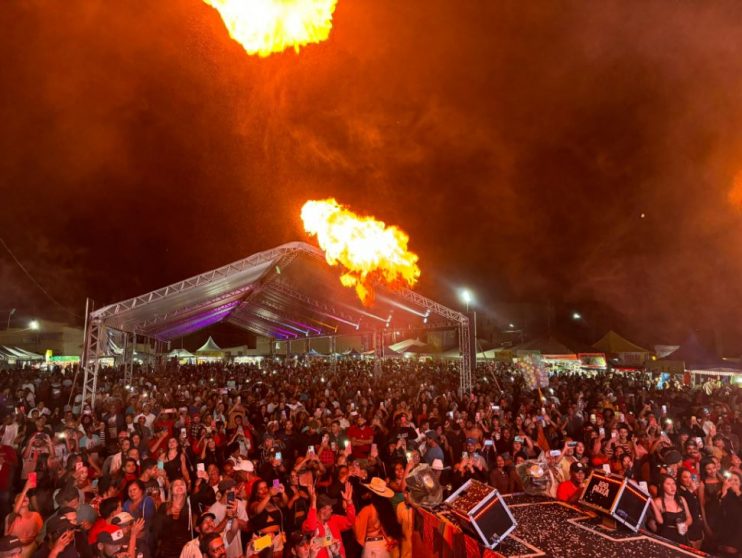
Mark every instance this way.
x=481 y=510
x=621 y=498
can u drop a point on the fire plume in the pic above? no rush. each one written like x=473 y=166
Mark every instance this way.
x=369 y=251
x=264 y=27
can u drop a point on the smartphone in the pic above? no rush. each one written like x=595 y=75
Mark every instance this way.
x=727 y=474
x=409 y=456
x=555 y=453
x=276 y=483
x=79 y=465
x=518 y=439
x=327 y=540
x=347 y=443
x=571 y=444
x=183 y=432
x=664 y=409
x=230 y=497
x=161 y=465
x=310 y=449
x=374 y=448
x=488 y=443
x=464 y=455
x=279 y=456
x=592 y=417
x=601 y=431
x=32 y=479
x=200 y=467
x=699 y=442
x=262 y=543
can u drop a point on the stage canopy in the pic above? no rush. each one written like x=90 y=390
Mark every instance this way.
x=613 y=343
x=286 y=293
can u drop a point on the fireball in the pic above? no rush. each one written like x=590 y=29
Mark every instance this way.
x=368 y=251
x=264 y=27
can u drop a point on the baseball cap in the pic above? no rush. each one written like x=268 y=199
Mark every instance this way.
x=113 y=537
x=226 y=484
x=324 y=500
x=244 y=465
x=123 y=518
x=432 y=434
x=577 y=466
x=204 y=516
x=57 y=524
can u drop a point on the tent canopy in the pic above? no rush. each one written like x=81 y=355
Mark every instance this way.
x=546 y=346
x=287 y=293
x=613 y=343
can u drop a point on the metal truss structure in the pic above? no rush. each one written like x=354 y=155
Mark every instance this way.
x=287 y=293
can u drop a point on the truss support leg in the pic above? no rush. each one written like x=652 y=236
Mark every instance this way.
x=333 y=354
x=129 y=348
x=465 y=349
x=95 y=339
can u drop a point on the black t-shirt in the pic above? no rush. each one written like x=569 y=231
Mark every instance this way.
x=404 y=432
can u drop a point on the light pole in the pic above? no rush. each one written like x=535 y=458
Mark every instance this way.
x=467 y=298
x=12 y=311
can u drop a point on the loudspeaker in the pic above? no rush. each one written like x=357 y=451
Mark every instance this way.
x=622 y=499
x=480 y=509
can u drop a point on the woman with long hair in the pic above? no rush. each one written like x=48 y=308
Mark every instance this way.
x=173 y=525
x=24 y=523
x=376 y=527
x=688 y=489
x=730 y=535
x=140 y=506
x=174 y=462
x=709 y=495
x=266 y=508
x=671 y=512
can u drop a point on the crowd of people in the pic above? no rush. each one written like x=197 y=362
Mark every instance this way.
x=312 y=458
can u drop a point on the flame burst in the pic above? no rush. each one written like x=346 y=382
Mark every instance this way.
x=368 y=250
x=264 y=27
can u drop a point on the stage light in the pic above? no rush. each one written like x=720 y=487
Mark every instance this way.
x=576 y=316
x=34 y=324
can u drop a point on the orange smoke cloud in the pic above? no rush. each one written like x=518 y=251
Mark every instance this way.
x=264 y=27
x=369 y=251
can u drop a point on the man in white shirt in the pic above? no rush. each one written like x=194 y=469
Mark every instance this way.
x=204 y=526
x=230 y=516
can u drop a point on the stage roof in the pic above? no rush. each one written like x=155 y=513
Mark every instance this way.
x=289 y=292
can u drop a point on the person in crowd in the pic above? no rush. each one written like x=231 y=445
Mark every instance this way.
x=10 y=547
x=709 y=496
x=730 y=534
x=376 y=527
x=173 y=527
x=671 y=512
x=688 y=489
x=327 y=526
x=24 y=523
x=230 y=516
x=204 y=526
x=570 y=490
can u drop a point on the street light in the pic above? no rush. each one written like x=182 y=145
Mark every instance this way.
x=467 y=298
x=576 y=316
x=34 y=324
x=511 y=326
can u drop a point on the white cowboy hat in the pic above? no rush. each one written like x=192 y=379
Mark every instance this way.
x=378 y=486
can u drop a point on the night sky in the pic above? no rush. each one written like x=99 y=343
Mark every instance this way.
x=518 y=143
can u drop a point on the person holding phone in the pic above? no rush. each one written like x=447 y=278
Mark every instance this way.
x=230 y=516
x=24 y=523
x=326 y=526
x=268 y=509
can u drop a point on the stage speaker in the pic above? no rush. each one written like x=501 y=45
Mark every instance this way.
x=622 y=499
x=480 y=509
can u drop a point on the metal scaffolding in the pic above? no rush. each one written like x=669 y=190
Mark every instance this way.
x=287 y=293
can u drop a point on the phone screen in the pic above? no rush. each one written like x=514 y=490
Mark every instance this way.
x=32 y=479
x=200 y=467
x=160 y=465
x=279 y=456
x=230 y=496
x=276 y=483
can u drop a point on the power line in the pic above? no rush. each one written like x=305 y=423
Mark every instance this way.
x=35 y=282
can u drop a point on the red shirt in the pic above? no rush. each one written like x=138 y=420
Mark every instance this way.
x=98 y=527
x=566 y=490
x=365 y=433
